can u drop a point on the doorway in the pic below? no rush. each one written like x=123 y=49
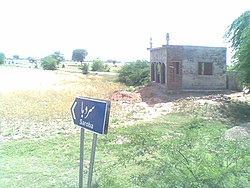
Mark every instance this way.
x=175 y=75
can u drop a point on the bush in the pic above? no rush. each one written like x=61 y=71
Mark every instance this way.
x=100 y=66
x=85 y=68
x=135 y=73
x=49 y=63
x=2 y=58
x=194 y=155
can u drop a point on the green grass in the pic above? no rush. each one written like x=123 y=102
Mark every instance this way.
x=152 y=154
x=53 y=161
x=40 y=163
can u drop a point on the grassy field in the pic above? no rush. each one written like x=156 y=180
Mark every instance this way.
x=40 y=146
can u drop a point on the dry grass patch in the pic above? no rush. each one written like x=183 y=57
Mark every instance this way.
x=50 y=105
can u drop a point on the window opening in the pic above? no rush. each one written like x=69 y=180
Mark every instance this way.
x=205 y=68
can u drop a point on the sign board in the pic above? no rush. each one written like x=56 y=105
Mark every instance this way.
x=91 y=114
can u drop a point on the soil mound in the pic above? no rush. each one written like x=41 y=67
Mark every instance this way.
x=126 y=96
x=153 y=93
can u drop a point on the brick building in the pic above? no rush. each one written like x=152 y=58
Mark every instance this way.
x=189 y=67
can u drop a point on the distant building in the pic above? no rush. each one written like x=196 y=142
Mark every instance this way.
x=181 y=67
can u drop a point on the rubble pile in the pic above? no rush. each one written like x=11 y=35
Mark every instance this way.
x=126 y=96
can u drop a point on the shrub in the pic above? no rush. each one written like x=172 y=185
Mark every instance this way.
x=85 y=68
x=49 y=63
x=2 y=58
x=135 y=73
x=100 y=66
x=194 y=155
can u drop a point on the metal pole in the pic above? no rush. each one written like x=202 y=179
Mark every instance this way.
x=81 y=159
x=92 y=158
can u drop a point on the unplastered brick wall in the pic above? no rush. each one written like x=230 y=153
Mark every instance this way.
x=158 y=55
x=192 y=56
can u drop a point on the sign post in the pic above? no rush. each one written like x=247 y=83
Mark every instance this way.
x=81 y=159
x=92 y=158
x=93 y=115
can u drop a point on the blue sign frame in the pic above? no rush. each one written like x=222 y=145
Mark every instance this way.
x=91 y=114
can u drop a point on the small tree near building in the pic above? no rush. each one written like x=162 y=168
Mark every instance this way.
x=135 y=73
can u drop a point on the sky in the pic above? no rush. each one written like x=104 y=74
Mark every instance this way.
x=112 y=29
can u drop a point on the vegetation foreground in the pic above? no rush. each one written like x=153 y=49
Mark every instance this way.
x=40 y=146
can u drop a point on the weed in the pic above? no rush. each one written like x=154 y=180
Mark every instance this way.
x=196 y=156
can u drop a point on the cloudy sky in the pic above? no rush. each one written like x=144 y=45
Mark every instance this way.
x=112 y=29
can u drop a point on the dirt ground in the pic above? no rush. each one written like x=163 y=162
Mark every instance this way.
x=153 y=101
x=156 y=93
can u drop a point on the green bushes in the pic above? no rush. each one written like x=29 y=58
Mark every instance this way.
x=2 y=58
x=134 y=73
x=200 y=157
x=49 y=63
x=85 y=68
x=100 y=66
x=179 y=151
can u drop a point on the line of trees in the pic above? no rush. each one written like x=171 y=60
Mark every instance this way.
x=97 y=65
x=52 y=61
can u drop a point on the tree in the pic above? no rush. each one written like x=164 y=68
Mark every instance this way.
x=135 y=73
x=15 y=56
x=2 y=58
x=85 y=68
x=49 y=63
x=58 y=57
x=100 y=66
x=238 y=35
x=79 y=55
